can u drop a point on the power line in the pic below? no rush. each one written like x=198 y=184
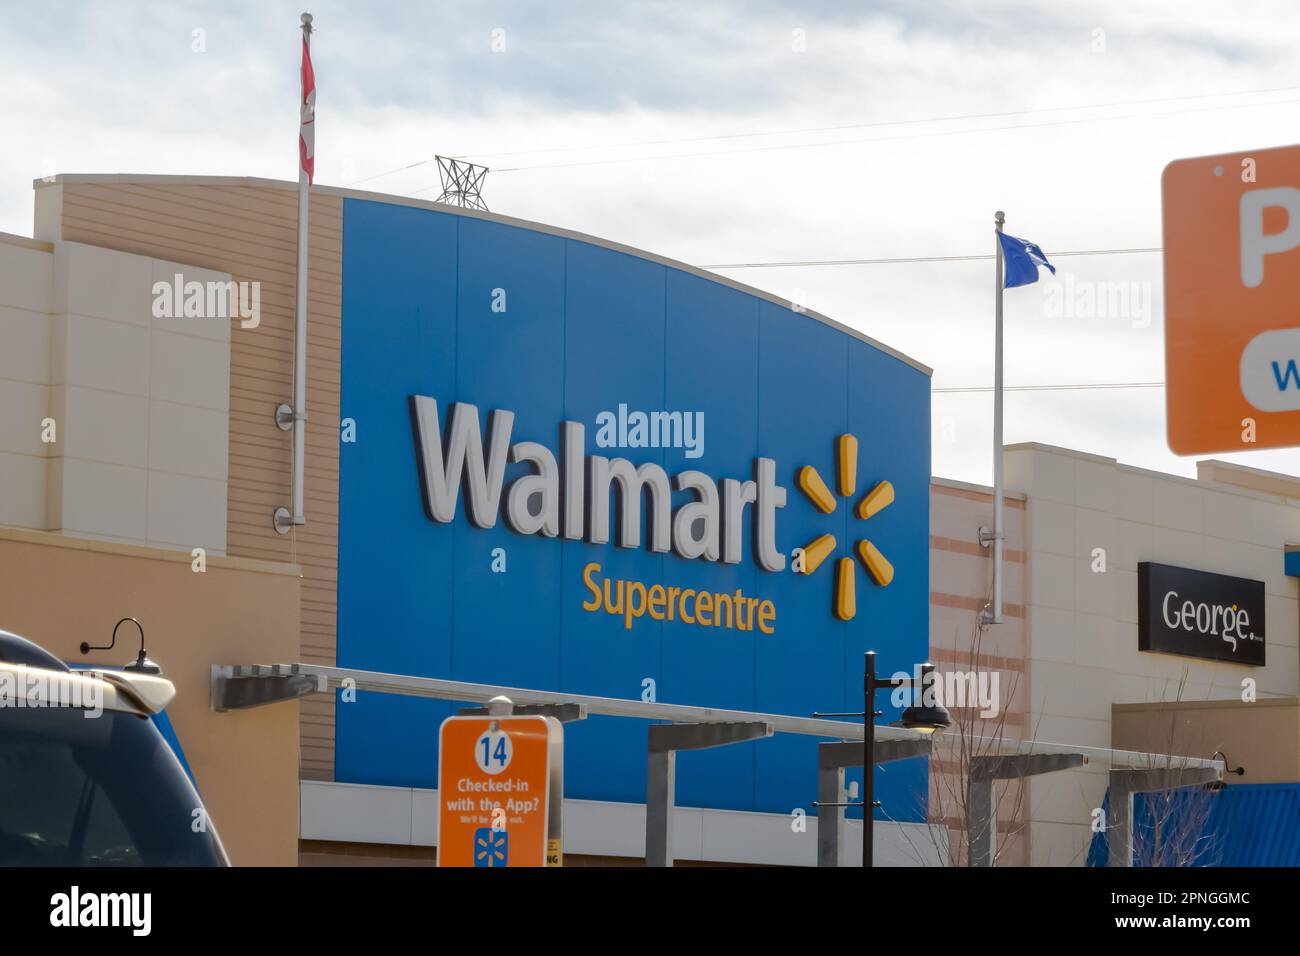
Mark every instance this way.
x=879 y=139
x=1089 y=386
x=877 y=124
x=907 y=259
x=872 y=125
x=390 y=172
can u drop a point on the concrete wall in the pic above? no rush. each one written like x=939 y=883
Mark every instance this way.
x=26 y=289
x=1083 y=634
x=59 y=591
x=113 y=423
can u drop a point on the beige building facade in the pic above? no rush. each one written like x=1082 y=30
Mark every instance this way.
x=126 y=473
x=1067 y=655
x=1091 y=521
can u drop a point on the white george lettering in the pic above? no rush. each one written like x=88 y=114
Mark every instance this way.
x=1206 y=619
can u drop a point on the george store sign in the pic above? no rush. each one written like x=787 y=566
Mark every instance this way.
x=1199 y=614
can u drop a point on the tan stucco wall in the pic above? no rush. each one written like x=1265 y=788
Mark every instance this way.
x=60 y=591
x=1261 y=736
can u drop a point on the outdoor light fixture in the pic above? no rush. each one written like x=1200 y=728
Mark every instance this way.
x=1239 y=771
x=141 y=664
x=929 y=717
x=917 y=719
x=1214 y=786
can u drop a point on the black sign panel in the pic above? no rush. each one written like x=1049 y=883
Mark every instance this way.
x=1199 y=614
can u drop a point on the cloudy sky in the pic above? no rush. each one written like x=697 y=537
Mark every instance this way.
x=726 y=133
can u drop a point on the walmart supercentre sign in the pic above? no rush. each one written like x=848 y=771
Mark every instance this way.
x=534 y=505
x=710 y=526
x=530 y=501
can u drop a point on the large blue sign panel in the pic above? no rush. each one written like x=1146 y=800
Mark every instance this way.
x=578 y=469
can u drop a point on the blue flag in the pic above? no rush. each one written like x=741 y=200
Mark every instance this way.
x=1021 y=260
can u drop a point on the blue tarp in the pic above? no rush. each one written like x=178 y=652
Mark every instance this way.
x=1241 y=825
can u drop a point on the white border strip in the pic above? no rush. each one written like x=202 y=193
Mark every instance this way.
x=405 y=816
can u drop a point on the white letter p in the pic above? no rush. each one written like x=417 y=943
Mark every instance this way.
x=1255 y=245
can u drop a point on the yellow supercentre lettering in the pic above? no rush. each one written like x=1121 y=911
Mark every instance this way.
x=635 y=608
x=587 y=572
x=630 y=600
x=703 y=606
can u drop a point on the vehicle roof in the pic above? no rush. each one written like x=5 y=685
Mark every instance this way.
x=112 y=688
x=16 y=649
x=73 y=689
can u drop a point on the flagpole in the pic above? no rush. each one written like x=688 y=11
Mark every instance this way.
x=993 y=613
x=300 y=328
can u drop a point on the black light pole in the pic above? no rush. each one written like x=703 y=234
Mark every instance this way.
x=869 y=759
x=928 y=716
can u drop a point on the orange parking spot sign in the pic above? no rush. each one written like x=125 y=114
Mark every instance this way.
x=496 y=780
x=1232 y=301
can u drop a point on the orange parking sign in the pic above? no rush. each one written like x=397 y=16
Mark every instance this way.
x=1232 y=301
x=496 y=777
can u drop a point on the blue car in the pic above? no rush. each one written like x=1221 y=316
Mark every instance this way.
x=86 y=777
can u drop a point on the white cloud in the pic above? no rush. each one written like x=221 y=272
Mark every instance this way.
x=91 y=90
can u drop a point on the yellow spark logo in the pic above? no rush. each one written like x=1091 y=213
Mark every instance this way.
x=817 y=551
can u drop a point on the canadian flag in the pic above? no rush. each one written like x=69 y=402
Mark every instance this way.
x=307 y=131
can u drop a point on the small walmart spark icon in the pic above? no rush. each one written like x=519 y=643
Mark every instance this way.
x=491 y=847
x=817 y=551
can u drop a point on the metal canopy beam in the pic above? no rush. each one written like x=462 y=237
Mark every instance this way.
x=838 y=755
x=1013 y=766
x=832 y=759
x=1125 y=783
x=661 y=773
x=987 y=768
x=241 y=693
x=251 y=685
x=564 y=713
x=669 y=737
x=337 y=677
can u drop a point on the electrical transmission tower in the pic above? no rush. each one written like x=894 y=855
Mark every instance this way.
x=462 y=183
